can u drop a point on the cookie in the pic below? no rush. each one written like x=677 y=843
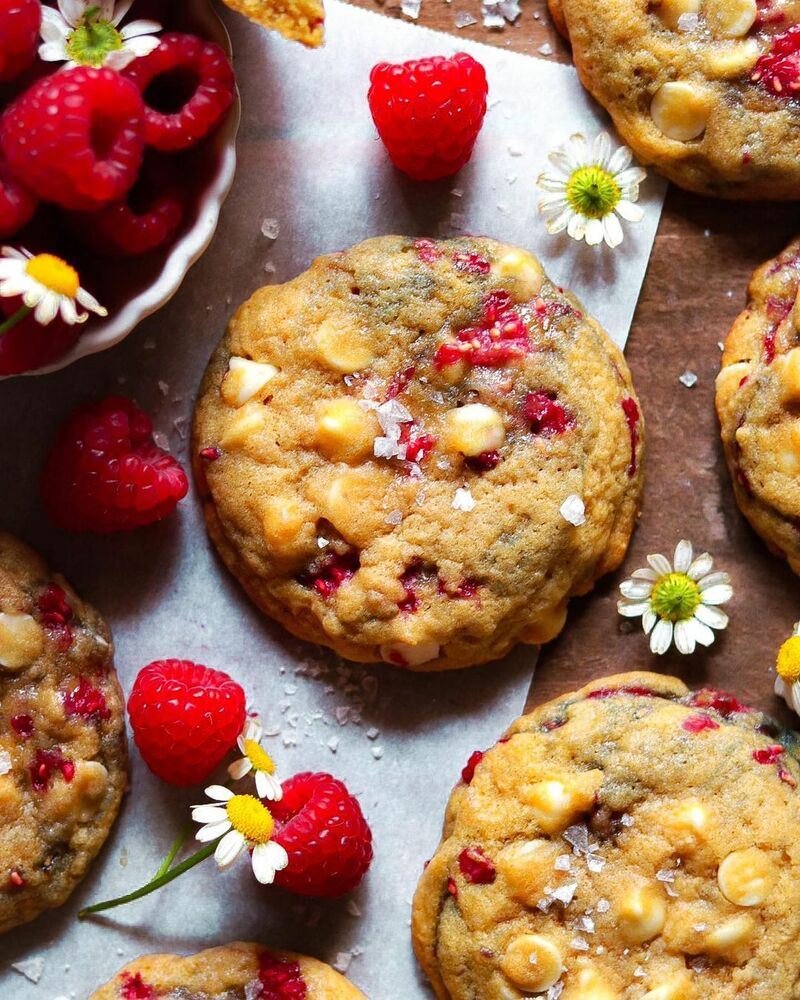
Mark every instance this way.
x=418 y=451
x=758 y=391
x=706 y=91
x=232 y=972
x=63 y=763
x=630 y=841
x=298 y=20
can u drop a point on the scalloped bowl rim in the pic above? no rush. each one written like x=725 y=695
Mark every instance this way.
x=188 y=249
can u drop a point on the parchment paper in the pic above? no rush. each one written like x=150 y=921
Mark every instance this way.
x=311 y=162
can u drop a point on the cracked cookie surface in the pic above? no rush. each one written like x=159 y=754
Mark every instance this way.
x=630 y=841
x=385 y=445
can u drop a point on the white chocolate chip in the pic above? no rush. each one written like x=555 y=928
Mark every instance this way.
x=680 y=110
x=345 y=431
x=525 y=268
x=405 y=654
x=726 y=939
x=641 y=913
x=474 y=429
x=589 y=984
x=343 y=347
x=245 y=379
x=725 y=62
x=730 y=18
x=21 y=640
x=678 y=987
x=558 y=803
x=671 y=11
x=747 y=877
x=532 y=962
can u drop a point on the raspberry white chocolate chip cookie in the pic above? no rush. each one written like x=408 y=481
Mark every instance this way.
x=604 y=849
x=62 y=739
x=758 y=389
x=386 y=445
x=227 y=973
x=707 y=91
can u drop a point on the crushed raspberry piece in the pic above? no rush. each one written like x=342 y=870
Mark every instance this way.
x=778 y=70
x=428 y=251
x=501 y=336
x=471 y=263
x=15 y=880
x=22 y=726
x=418 y=446
x=631 y=410
x=553 y=308
x=768 y=755
x=17 y=204
x=281 y=978
x=767 y=14
x=20 y=21
x=786 y=777
x=722 y=702
x=466 y=590
x=133 y=987
x=476 y=867
x=550 y=724
x=634 y=690
x=697 y=723
x=485 y=462
x=777 y=311
x=210 y=454
x=86 y=701
x=468 y=771
x=546 y=416
x=399 y=382
x=45 y=764
x=56 y=614
x=187 y=85
x=410 y=602
x=334 y=570
x=76 y=137
x=452 y=888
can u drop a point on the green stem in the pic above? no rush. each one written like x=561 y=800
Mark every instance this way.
x=154 y=884
x=174 y=850
x=14 y=319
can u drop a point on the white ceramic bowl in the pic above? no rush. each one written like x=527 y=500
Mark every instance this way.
x=221 y=150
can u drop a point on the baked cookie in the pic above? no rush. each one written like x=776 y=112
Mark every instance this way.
x=232 y=972
x=298 y=20
x=62 y=736
x=706 y=91
x=758 y=392
x=418 y=451
x=630 y=841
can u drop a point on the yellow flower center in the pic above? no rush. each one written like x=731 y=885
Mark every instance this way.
x=593 y=192
x=259 y=757
x=251 y=818
x=788 y=665
x=55 y=274
x=675 y=597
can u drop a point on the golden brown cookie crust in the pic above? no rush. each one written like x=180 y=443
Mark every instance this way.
x=641 y=841
x=714 y=129
x=298 y=20
x=62 y=736
x=450 y=555
x=211 y=973
x=758 y=391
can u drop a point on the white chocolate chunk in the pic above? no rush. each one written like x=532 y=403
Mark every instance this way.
x=556 y=804
x=245 y=379
x=789 y=374
x=677 y=987
x=746 y=878
x=680 y=110
x=21 y=640
x=532 y=962
x=728 y=938
x=345 y=431
x=725 y=62
x=686 y=824
x=404 y=654
x=670 y=11
x=244 y=426
x=589 y=984
x=527 y=868
x=730 y=18
x=641 y=912
x=474 y=429
x=525 y=268
x=343 y=347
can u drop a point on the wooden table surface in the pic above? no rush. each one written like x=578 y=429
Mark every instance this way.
x=703 y=256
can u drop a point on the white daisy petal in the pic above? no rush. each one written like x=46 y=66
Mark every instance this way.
x=594 y=232
x=11 y=287
x=47 y=309
x=120 y=58
x=576 y=227
x=636 y=588
x=711 y=616
x=212 y=831
x=219 y=792
x=561 y=162
x=712 y=579
x=72 y=10
x=794 y=694
x=661 y=637
x=208 y=813
x=253 y=730
x=684 y=637
x=239 y=768
x=628 y=211
x=119 y=10
x=719 y=594
x=267 y=860
x=631 y=177
x=601 y=150
x=560 y=222
x=684 y=553
x=612 y=231
x=660 y=564
x=578 y=152
x=700 y=567
x=268 y=787
x=229 y=849
x=15 y=254
x=632 y=610
x=69 y=313
x=52 y=52
x=644 y=574
x=90 y=302
x=620 y=160
x=141 y=27
x=141 y=45
x=549 y=182
x=649 y=618
x=53 y=27
x=701 y=632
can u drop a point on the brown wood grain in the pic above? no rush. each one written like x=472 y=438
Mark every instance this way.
x=704 y=253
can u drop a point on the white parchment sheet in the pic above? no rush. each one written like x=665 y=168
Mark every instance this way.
x=309 y=159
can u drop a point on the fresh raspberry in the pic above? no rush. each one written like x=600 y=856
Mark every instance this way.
x=500 y=336
x=546 y=416
x=105 y=472
x=17 y=204
x=188 y=85
x=428 y=112
x=778 y=70
x=29 y=345
x=476 y=867
x=77 y=137
x=185 y=718
x=485 y=462
x=322 y=829
x=280 y=978
x=20 y=21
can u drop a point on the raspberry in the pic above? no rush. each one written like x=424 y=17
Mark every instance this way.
x=632 y=418
x=45 y=764
x=468 y=771
x=187 y=85
x=23 y=726
x=105 y=473
x=428 y=112
x=722 y=702
x=17 y=204
x=324 y=832
x=280 y=978
x=546 y=416
x=778 y=70
x=769 y=755
x=76 y=137
x=331 y=572
x=20 y=21
x=56 y=614
x=698 y=723
x=135 y=988
x=86 y=701
x=29 y=345
x=185 y=718
x=501 y=336
x=476 y=867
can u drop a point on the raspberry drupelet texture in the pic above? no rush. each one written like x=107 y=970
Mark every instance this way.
x=77 y=137
x=322 y=828
x=187 y=85
x=280 y=978
x=778 y=69
x=428 y=112
x=17 y=204
x=20 y=21
x=185 y=718
x=105 y=473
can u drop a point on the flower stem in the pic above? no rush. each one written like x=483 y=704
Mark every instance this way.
x=155 y=883
x=174 y=850
x=15 y=319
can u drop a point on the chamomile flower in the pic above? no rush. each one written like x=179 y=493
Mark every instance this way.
x=677 y=600
x=591 y=186
x=241 y=823
x=256 y=760
x=787 y=683
x=83 y=33
x=48 y=286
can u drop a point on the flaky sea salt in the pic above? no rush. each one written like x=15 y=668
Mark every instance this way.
x=689 y=379
x=411 y=8
x=342 y=961
x=270 y=229
x=563 y=863
x=603 y=905
x=463 y=499
x=377 y=752
x=323 y=543
x=594 y=863
x=545 y=50
x=5 y=761
x=573 y=510
x=464 y=19
x=579 y=944
x=394 y=517
x=688 y=21
x=31 y=969
x=565 y=893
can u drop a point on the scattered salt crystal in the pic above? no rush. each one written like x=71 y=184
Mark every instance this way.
x=626 y=819
x=289 y=740
x=688 y=21
x=272 y=731
x=333 y=744
x=665 y=875
x=343 y=960
x=639 y=972
x=515 y=150
x=323 y=543
x=603 y=906
x=342 y=714
x=573 y=510
x=269 y=267
x=554 y=992
x=290 y=689
x=720 y=345
x=373 y=733
x=464 y=19
x=563 y=863
x=456 y=193
x=699 y=963
x=545 y=50
x=5 y=761
x=595 y=864
x=163 y=387
x=270 y=229
x=31 y=969
x=699 y=928
x=411 y=8
x=565 y=893
x=491 y=18
x=510 y=10
x=689 y=379
x=161 y=440
x=579 y=944
x=377 y=752
x=585 y=924
x=578 y=838
x=352 y=908
x=385 y=447
x=463 y=499
x=394 y=517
